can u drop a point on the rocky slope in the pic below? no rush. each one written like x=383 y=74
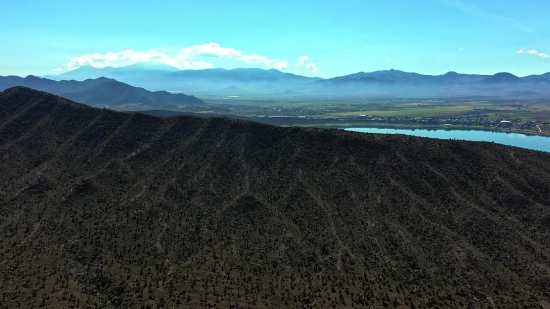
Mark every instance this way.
x=113 y=210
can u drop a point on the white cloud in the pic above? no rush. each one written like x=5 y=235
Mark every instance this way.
x=533 y=52
x=308 y=65
x=215 y=50
x=211 y=49
x=461 y=49
x=388 y=59
x=280 y=64
x=312 y=67
x=128 y=57
x=302 y=61
x=183 y=59
x=253 y=58
x=62 y=69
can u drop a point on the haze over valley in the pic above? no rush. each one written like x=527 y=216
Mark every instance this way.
x=272 y=83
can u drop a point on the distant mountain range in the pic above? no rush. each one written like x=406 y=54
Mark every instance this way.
x=102 y=92
x=389 y=83
x=451 y=84
x=198 y=82
x=130 y=72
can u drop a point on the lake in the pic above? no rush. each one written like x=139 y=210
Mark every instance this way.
x=513 y=139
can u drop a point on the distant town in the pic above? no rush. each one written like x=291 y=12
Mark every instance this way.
x=531 y=126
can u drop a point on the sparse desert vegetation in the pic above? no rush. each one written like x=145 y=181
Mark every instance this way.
x=102 y=209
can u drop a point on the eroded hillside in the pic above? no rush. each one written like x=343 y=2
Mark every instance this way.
x=113 y=210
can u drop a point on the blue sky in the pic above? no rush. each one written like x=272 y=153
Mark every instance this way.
x=313 y=38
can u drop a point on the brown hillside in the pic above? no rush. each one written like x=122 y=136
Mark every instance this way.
x=100 y=209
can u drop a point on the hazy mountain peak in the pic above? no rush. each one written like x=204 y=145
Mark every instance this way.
x=253 y=80
x=506 y=75
x=151 y=66
x=502 y=77
x=32 y=77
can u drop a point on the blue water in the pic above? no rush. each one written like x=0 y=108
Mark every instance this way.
x=513 y=139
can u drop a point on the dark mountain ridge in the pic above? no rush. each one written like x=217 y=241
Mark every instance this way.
x=120 y=210
x=52 y=86
x=102 y=91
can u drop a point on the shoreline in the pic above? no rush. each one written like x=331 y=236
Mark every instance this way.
x=430 y=128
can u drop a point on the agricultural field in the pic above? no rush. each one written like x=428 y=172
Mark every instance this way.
x=527 y=116
x=527 y=110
